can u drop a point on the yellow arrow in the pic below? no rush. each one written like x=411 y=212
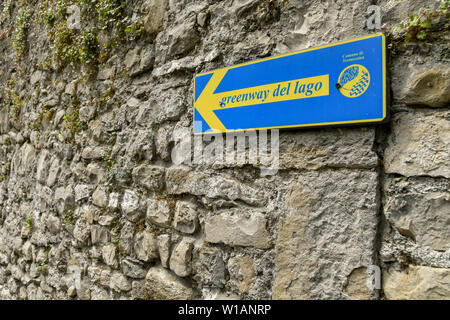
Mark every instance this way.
x=206 y=102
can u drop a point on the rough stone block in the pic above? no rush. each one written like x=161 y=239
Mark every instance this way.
x=419 y=144
x=419 y=209
x=328 y=230
x=161 y=284
x=351 y=148
x=150 y=177
x=180 y=260
x=417 y=283
x=237 y=228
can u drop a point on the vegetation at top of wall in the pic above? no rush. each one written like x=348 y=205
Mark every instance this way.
x=6 y=11
x=419 y=26
x=21 y=32
x=103 y=26
x=425 y=26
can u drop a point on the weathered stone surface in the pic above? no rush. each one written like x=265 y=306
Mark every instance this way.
x=81 y=232
x=161 y=284
x=242 y=271
x=99 y=234
x=419 y=144
x=185 y=219
x=82 y=191
x=109 y=254
x=153 y=22
x=100 y=198
x=180 y=180
x=23 y=159
x=419 y=209
x=130 y=205
x=119 y=282
x=337 y=148
x=184 y=38
x=164 y=244
x=114 y=199
x=94 y=153
x=426 y=87
x=238 y=228
x=139 y=60
x=159 y=212
x=84 y=155
x=356 y=287
x=150 y=177
x=330 y=222
x=211 y=268
x=53 y=171
x=64 y=198
x=42 y=166
x=417 y=283
x=180 y=259
x=146 y=246
x=133 y=269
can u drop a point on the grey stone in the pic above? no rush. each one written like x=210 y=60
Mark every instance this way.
x=153 y=22
x=419 y=209
x=99 y=234
x=130 y=205
x=133 y=269
x=159 y=212
x=119 y=282
x=139 y=60
x=417 y=283
x=164 y=245
x=82 y=191
x=242 y=272
x=53 y=171
x=184 y=38
x=429 y=87
x=150 y=177
x=64 y=198
x=81 y=232
x=180 y=180
x=238 y=228
x=161 y=284
x=126 y=237
x=100 y=198
x=211 y=268
x=185 y=219
x=109 y=253
x=180 y=259
x=336 y=148
x=105 y=220
x=42 y=167
x=320 y=228
x=146 y=246
x=114 y=199
x=94 y=153
x=23 y=159
x=419 y=144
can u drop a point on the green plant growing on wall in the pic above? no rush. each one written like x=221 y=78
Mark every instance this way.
x=68 y=217
x=21 y=32
x=29 y=223
x=11 y=100
x=6 y=11
x=5 y=171
x=418 y=27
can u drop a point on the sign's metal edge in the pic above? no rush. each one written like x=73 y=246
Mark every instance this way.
x=386 y=93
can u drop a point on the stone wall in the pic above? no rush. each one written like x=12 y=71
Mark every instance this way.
x=89 y=191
